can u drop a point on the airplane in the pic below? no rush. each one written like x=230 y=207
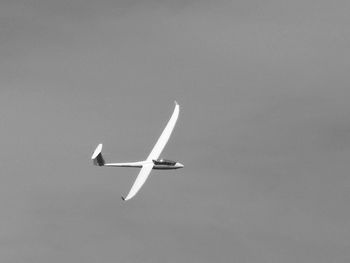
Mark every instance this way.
x=152 y=161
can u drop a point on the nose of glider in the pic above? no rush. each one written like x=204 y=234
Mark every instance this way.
x=179 y=165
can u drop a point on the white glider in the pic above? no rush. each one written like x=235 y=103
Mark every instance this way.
x=152 y=161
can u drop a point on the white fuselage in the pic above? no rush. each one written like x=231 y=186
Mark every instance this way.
x=157 y=164
x=167 y=167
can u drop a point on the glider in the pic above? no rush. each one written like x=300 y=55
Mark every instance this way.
x=152 y=161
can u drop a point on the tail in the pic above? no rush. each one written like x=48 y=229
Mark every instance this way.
x=97 y=157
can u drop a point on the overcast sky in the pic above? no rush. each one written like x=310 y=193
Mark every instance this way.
x=263 y=132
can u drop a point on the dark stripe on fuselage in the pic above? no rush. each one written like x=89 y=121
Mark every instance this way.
x=165 y=167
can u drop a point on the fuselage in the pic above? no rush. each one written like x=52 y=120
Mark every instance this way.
x=160 y=164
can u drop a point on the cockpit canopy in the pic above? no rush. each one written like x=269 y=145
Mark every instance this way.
x=164 y=162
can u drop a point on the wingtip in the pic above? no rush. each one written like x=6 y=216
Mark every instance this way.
x=125 y=199
x=176 y=102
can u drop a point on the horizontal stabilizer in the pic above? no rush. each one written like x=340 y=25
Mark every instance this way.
x=97 y=157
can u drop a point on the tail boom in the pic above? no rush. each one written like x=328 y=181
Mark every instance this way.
x=133 y=164
x=98 y=160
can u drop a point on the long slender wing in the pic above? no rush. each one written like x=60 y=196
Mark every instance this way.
x=140 y=180
x=164 y=137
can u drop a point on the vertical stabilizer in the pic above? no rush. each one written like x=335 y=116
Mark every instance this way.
x=97 y=157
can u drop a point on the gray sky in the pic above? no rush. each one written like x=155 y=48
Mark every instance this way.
x=264 y=130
